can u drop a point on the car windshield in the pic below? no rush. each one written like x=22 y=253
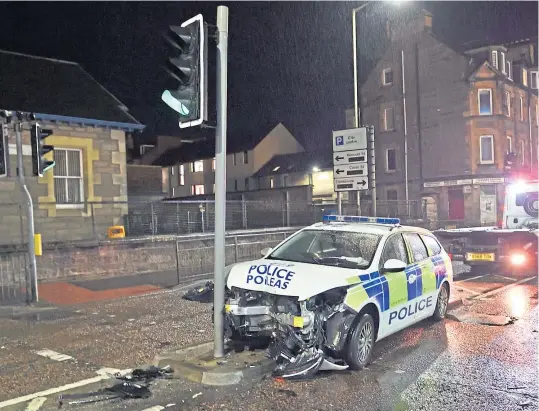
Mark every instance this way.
x=333 y=248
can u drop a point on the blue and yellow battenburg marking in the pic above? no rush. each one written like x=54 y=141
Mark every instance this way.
x=359 y=219
x=398 y=290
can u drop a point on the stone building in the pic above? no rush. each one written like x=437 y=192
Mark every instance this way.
x=86 y=191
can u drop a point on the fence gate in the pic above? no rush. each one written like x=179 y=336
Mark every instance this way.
x=13 y=277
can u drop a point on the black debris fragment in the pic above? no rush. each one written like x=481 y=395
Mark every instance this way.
x=146 y=375
x=290 y=393
x=201 y=293
x=123 y=390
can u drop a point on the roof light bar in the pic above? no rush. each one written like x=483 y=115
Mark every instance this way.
x=360 y=219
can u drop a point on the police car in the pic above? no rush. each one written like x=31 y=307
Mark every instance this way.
x=323 y=297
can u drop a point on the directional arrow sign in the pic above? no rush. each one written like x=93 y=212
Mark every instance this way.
x=349 y=157
x=350 y=170
x=351 y=183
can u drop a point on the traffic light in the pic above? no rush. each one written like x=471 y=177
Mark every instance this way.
x=40 y=164
x=4 y=150
x=189 y=68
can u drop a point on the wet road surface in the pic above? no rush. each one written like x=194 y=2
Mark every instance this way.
x=430 y=366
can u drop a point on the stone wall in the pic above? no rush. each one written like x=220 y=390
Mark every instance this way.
x=131 y=257
x=104 y=187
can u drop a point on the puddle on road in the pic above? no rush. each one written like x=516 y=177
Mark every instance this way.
x=482 y=319
x=48 y=315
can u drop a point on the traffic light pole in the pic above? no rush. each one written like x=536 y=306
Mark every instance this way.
x=29 y=214
x=220 y=183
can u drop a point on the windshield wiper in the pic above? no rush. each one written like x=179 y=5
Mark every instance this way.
x=347 y=262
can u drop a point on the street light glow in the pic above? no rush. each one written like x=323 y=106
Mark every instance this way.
x=315 y=169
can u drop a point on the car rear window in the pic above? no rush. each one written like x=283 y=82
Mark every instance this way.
x=419 y=251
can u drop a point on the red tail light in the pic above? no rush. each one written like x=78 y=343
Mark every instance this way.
x=517 y=258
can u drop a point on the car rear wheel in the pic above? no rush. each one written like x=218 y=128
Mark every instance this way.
x=442 y=303
x=361 y=343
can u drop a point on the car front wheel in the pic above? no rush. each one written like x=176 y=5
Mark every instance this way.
x=441 y=303
x=361 y=343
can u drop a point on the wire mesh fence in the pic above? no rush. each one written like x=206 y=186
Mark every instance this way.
x=90 y=221
x=13 y=277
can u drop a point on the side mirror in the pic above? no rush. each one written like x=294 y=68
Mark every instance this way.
x=394 y=266
x=266 y=251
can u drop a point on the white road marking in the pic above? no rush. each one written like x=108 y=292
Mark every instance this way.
x=155 y=408
x=35 y=404
x=53 y=355
x=458 y=287
x=103 y=376
x=506 y=278
x=506 y=287
x=469 y=279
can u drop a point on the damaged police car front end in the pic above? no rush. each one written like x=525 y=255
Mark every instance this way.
x=294 y=299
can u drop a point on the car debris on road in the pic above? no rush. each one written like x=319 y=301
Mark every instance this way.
x=200 y=293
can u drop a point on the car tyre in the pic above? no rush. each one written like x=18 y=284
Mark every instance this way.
x=361 y=343
x=441 y=303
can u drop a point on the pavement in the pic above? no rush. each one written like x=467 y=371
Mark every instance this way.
x=459 y=363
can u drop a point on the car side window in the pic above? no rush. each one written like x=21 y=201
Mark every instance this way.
x=419 y=251
x=433 y=246
x=395 y=247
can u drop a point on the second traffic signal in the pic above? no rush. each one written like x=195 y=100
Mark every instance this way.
x=189 y=69
x=39 y=163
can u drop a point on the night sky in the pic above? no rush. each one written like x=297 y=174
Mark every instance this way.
x=288 y=62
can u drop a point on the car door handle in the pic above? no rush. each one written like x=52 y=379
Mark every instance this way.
x=412 y=278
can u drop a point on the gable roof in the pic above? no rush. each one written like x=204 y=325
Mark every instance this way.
x=296 y=163
x=58 y=90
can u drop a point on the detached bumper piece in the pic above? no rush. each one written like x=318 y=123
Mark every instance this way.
x=124 y=390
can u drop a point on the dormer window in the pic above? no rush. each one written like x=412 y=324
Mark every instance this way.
x=509 y=70
x=387 y=77
x=525 y=77
x=495 y=59
x=502 y=62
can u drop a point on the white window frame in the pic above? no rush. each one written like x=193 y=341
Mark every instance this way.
x=481 y=161
x=181 y=175
x=508 y=107
x=509 y=144
x=194 y=189
x=391 y=170
x=502 y=61
x=525 y=77
x=495 y=59
x=385 y=118
x=509 y=70
x=81 y=178
x=194 y=166
x=489 y=90
x=534 y=74
x=384 y=71
x=272 y=182
x=521 y=108
x=213 y=164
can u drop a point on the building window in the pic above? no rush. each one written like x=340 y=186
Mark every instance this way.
x=485 y=101
x=392 y=195
x=522 y=152
x=389 y=119
x=181 y=175
x=197 y=189
x=509 y=144
x=247 y=183
x=285 y=181
x=172 y=170
x=387 y=77
x=173 y=191
x=245 y=157
x=234 y=159
x=272 y=182
x=507 y=104
x=68 y=178
x=521 y=108
x=197 y=166
x=525 y=77
x=235 y=185
x=486 y=149
x=533 y=79
x=213 y=164
x=495 y=59
x=391 y=159
x=502 y=61
x=509 y=69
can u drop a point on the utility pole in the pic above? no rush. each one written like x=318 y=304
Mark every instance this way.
x=29 y=208
x=220 y=186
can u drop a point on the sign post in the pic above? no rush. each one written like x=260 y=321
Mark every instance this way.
x=350 y=162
